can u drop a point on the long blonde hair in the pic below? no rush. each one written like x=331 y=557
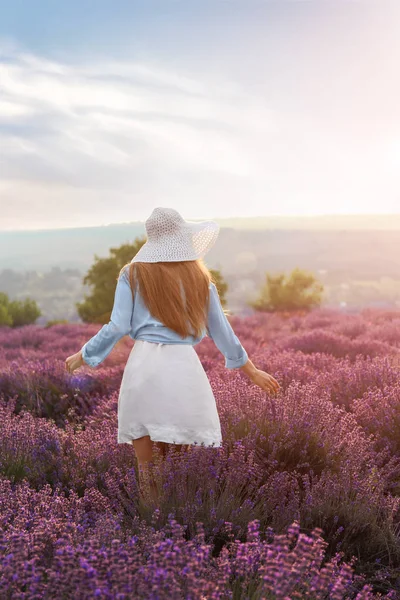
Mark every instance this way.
x=161 y=286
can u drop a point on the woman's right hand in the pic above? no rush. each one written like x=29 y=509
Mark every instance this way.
x=265 y=381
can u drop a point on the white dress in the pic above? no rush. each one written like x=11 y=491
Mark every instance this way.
x=166 y=394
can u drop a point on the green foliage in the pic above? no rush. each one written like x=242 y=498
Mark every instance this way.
x=5 y=317
x=24 y=312
x=299 y=291
x=220 y=284
x=102 y=277
x=16 y=313
x=56 y=322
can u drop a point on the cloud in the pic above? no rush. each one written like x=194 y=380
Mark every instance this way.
x=67 y=122
x=117 y=129
x=106 y=141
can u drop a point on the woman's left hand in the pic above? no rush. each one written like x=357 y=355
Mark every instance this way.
x=74 y=362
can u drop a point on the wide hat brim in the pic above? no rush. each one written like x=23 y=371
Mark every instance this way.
x=193 y=240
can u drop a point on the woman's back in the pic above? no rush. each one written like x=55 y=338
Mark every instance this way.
x=146 y=326
x=175 y=293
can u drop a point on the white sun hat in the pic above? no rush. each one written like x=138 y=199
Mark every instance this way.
x=171 y=238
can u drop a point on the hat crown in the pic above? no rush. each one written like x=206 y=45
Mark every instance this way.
x=171 y=238
x=162 y=222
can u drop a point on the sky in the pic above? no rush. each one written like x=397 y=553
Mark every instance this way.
x=217 y=108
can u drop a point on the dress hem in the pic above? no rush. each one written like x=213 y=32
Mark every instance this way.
x=185 y=443
x=128 y=438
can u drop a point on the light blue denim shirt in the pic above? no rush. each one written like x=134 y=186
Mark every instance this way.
x=130 y=316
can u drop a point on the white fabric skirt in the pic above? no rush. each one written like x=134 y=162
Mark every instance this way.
x=166 y=394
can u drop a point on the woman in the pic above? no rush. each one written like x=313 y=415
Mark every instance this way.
x=166 y=301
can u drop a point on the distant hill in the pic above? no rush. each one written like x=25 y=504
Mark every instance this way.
x=356 y=258
x=65 y=248
x=75 y=247
x=319 y=222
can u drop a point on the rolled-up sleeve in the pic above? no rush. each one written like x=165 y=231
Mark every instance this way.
x=101 y=344
x=220 y=331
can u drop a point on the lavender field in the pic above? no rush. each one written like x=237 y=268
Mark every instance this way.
x=302 y=500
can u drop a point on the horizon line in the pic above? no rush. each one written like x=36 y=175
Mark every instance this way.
x=234 y=218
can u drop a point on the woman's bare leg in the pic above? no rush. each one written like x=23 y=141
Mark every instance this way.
x=145 y=457
x=144 y=449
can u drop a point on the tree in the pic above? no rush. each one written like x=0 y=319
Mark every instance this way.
x=220 y=284
x=24 y=312
x=300 y=291
x=16 y=313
